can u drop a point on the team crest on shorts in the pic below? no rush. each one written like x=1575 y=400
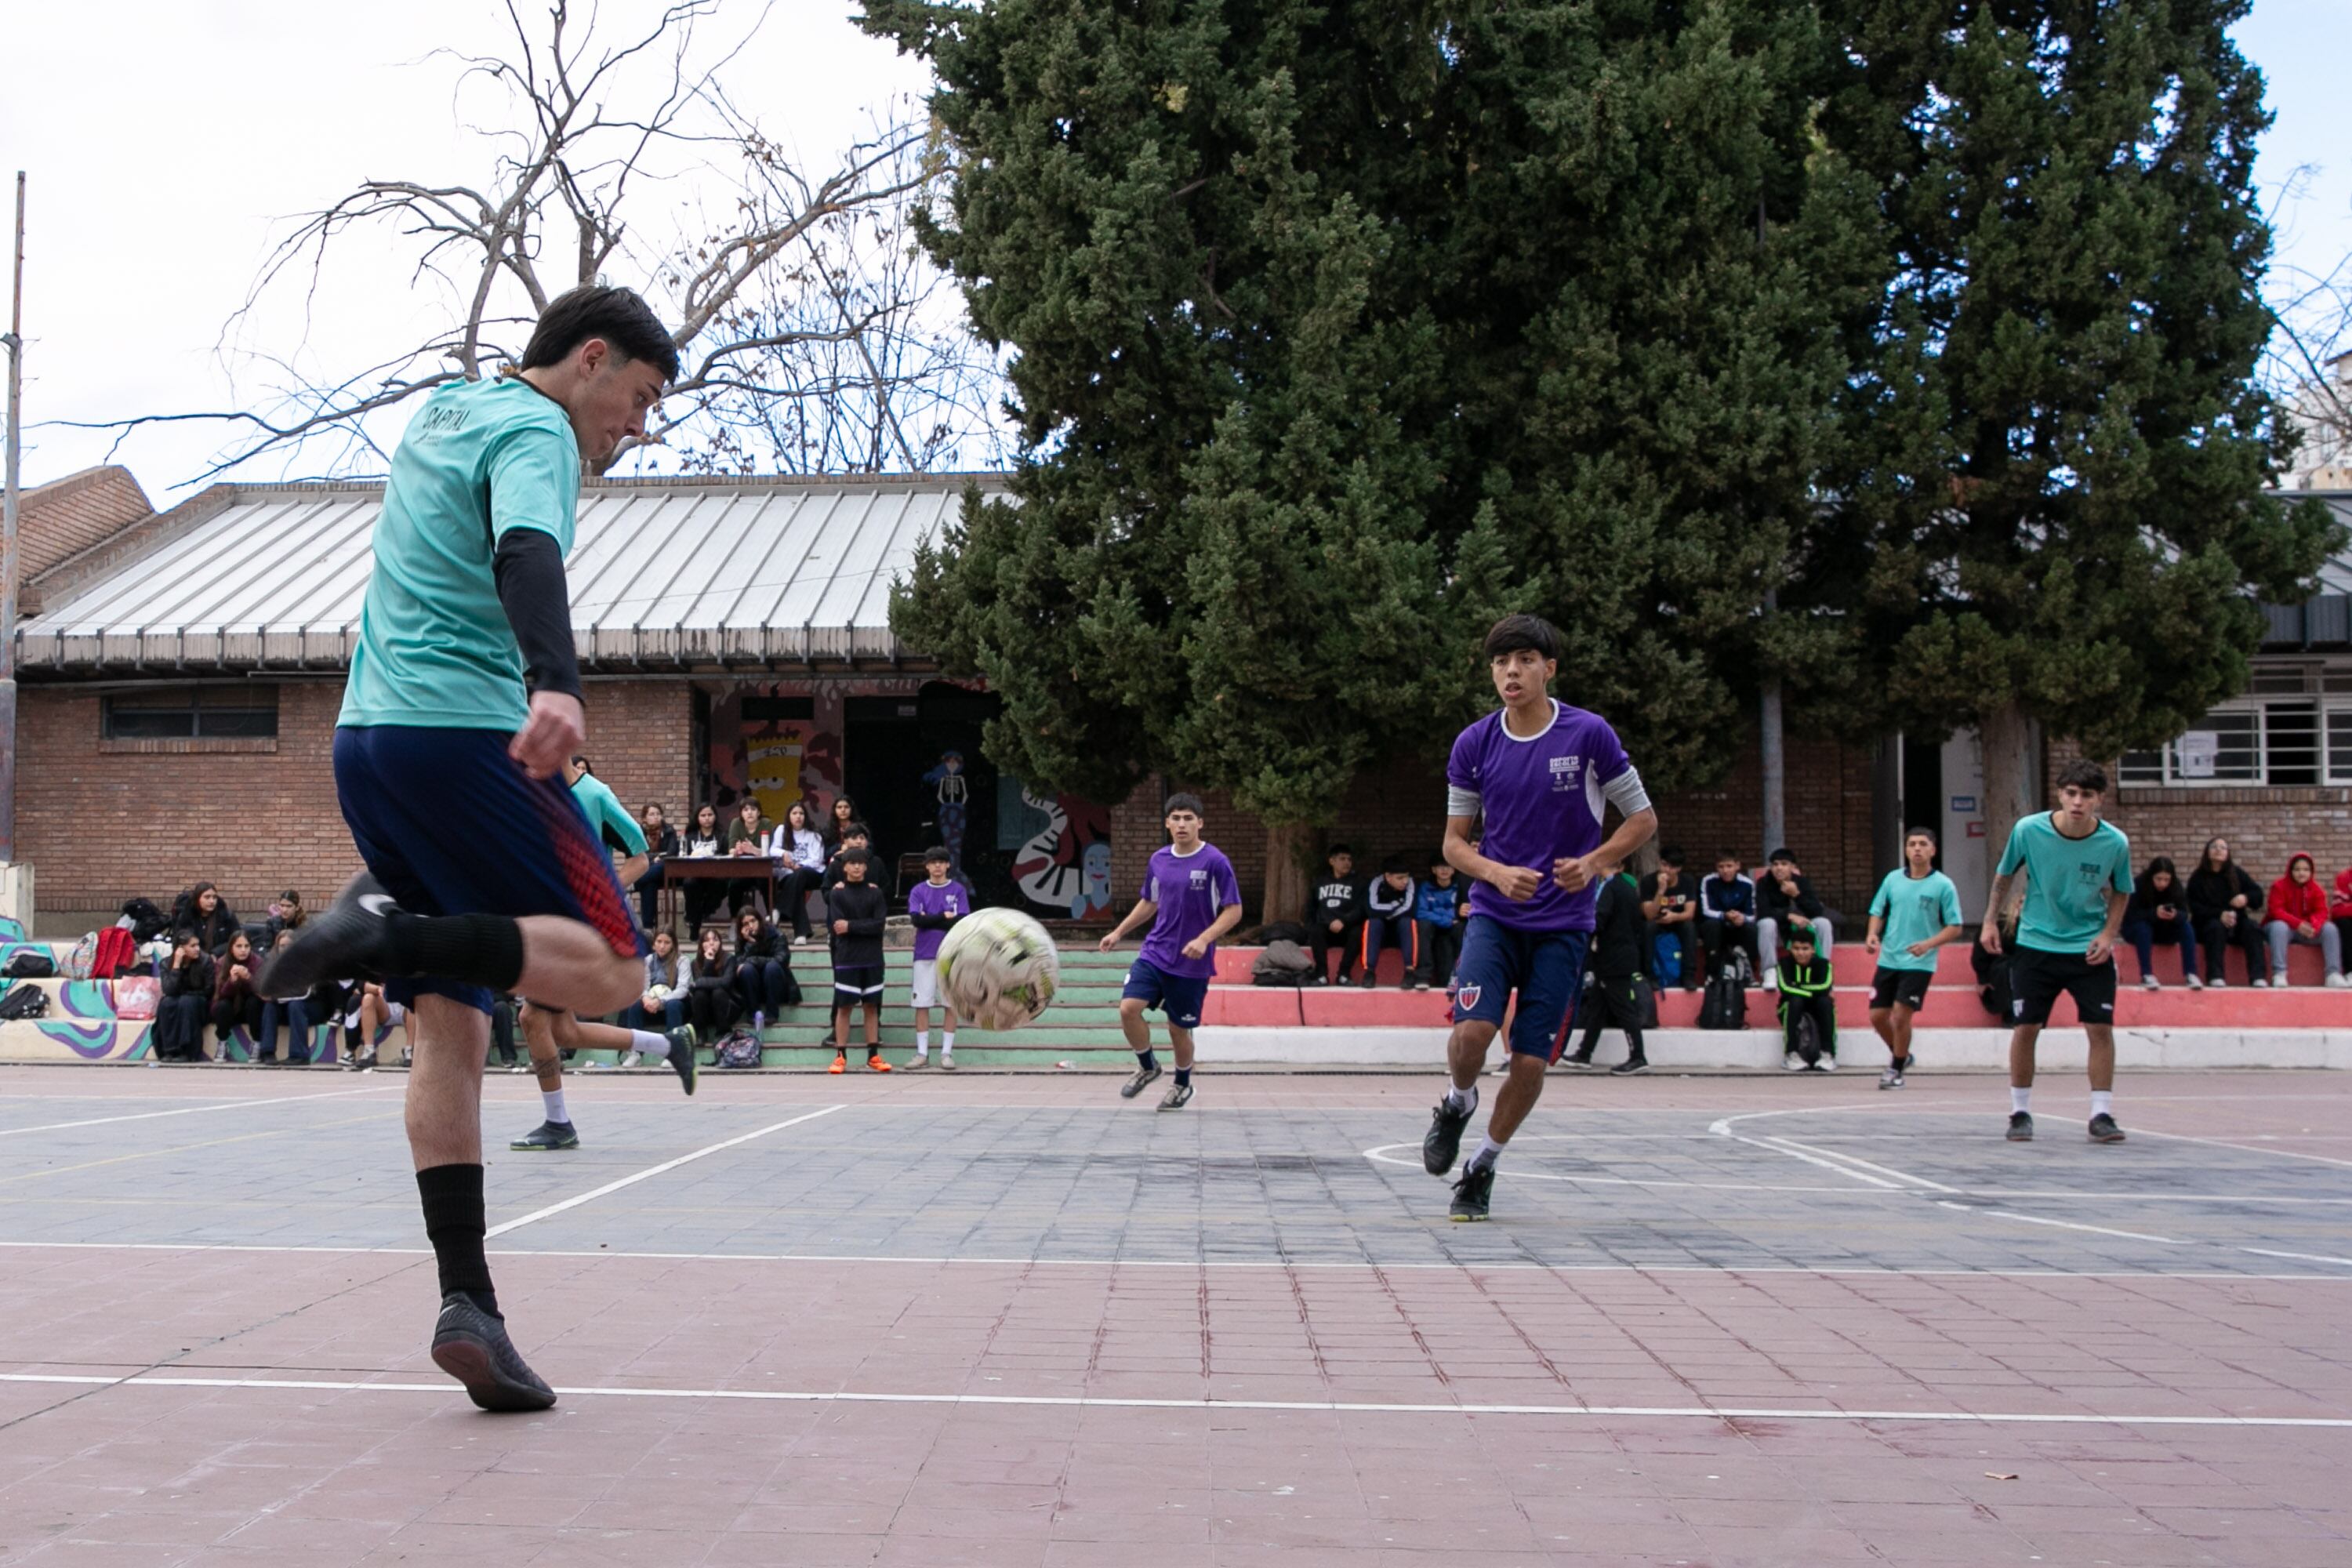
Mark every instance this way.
x=1467 y=997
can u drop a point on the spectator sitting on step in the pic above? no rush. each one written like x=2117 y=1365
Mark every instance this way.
x=712 y=1003
x=1670 y=910
x=186 y=989
x=1726 y=914
x=2158 y=915
x=661 y=843
x=1808 y=995
x=1335 y=909
x=285 y=913
x=2339 y=908
x=1786 y=904
x=235 y=1001
x=2298 y=917
x=202 y=909
x=836 y=829
x=663 y=1005
x=1388 y=919
x=2226 y=906
x=1440 y=914
x=763 y=970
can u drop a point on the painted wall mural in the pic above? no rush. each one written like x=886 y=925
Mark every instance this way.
x=1061 y=847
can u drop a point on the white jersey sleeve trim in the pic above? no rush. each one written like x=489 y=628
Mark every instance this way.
x=1460 y=802
x=1625 y=792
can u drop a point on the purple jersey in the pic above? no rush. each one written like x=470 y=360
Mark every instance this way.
x=926 y=899
x=1190 y=890
x=1542 y=801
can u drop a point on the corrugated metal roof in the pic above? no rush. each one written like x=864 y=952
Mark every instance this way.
x=669 y=572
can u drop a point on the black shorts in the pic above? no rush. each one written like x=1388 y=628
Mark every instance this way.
x=1899 y=988
x=2036 y=976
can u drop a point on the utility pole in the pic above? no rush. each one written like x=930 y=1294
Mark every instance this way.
x=1775 y=754
x=15 y=344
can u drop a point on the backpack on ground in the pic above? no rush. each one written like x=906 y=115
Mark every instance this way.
x=30 y=964
x=24 y=1002
x=1273 y=932
x=1282 y=964
x=1724 y=1005
x=81 y=960
x=737 y=1047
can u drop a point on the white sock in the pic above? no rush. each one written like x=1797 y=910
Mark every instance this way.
x=1488 y=1153
x=922 y=1044
x=947 y=1043
x=651 y=1044
x=2103 y=1102
x=554 y=1101
x=2021 y=1099
x=1462 y=1102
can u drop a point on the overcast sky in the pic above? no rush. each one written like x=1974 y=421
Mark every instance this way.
x=168 y=142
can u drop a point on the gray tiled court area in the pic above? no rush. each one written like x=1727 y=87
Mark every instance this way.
x=1002 y=1319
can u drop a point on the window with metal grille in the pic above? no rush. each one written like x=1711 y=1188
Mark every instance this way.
x=2280 y=741
x=190 y=713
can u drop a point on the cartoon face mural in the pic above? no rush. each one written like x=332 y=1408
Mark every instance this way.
x=1064 y=865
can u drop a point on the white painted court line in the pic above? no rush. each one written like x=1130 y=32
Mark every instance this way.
x=1385 y=1153
x=2298 y=1257
x=2244 y=1148
x=1086 y=1401
x=2220 y=1275
x=651 y=1171
x=2065 y=1224
x=198 y=1109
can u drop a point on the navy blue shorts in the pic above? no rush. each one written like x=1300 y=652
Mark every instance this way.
x=1179 y=996
x=452 y=826
x=1544 y=968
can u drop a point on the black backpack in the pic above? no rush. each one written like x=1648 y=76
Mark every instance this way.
x=30 y=964
x=147 y=921
x=1724 y=1006
x=24 y=1002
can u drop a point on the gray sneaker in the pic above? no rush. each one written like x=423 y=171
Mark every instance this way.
x=1178 y=1096
x=1144 y=1078
x=471 y=1346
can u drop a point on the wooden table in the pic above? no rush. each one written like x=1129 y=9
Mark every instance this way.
x=680 y=868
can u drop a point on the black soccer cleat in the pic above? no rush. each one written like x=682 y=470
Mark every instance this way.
x=351 y=938
x=1443 y=1142
x=548 y=1135
x=2104 y=1131
x=1471 y=1195
x=1144 y=1078
x=471 y=1346
x=681 y=1055
x=2021 y=1127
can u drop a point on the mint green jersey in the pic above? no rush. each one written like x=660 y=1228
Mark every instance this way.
x=1915 y=910
x=434 y=649
x=2066 y=881
x=607 y=815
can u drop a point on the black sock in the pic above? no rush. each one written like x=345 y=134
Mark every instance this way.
x=1147 y=1060
x=455 y=1221
x=1184 y=1076
x=475 y=950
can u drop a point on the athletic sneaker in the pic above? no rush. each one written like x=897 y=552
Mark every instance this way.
x=2219 y=983
x=1443 y=1142
x=350 y=938
x=2104 y=1131
x=1581 y=1061
x=1890 y=1078
x=471 y=1346
x=946 y=1062
x=2279 y=979
x=2334 y=982
x=1144 y=1078
x=2021 y=1127
x=917 y=1065
x=2150 y=982
x=1771 y=980
x=2195 y=983
x=1178 y=1096
x=1824 y=1063
x=840 y=1063
x=681 y=1055
x=1629 y=1066
x=876 y=1063
x=632 y=1056
x=1791 y=1062
x=1471 y=1195
x=549 y=1135
x=2259 y=983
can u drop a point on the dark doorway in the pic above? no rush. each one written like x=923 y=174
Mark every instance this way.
x=889 y=744
x=1923 y=788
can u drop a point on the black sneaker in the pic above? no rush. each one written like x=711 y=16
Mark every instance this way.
x=1178 y=1096
x=348 y=938
x=471 y=1346
x=1579 y=1060
x=549 y=1135
x=1629 y=1066
x=2021 y=1127
x=2104 y=1131
x=681 y=1055
x=1144 y=1078
x=1443 y=1142
x=1471 y=1195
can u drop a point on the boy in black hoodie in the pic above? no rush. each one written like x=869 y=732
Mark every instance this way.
x=1335 y=914
x=856 y=910
x=1613 y=991
x=1388 y=901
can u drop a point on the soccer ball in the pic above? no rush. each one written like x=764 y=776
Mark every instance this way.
x=998 y=969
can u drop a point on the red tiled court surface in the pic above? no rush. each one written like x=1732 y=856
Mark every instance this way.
x=1014 y=1319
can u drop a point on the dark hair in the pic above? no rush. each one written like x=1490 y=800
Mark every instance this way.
x=619 y=316
x=580 y=760
x=856 y=857
x=1183 y=802
x=2205 y=856
x=654 y=806
x=1339 y=849
x=857 y=830
x=1927 y=833
x=290 y=895
x=1398 y=862
x=2161 y=863
x=2084 y=774
x=696 y=820
x=839 y=801
x=1802 y=934
x=1513 y=633
x=1730 y=855
x=753 y=802
x=1781 y=854
x=1671 y=855
x=937 y=853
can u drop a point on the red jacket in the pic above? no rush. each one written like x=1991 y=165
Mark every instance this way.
x=2342 y=907
x=2297 y=902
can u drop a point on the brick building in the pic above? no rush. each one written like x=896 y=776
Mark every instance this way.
x=183 y=670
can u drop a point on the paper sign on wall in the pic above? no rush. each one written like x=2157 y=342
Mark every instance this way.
x=2196 y=754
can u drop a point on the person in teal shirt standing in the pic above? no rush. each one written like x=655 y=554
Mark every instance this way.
x=2078 y=882
x=1917 y=911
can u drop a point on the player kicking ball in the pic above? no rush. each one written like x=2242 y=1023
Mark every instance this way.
x=1192 y=898
x=1541 y=774
x=2078 y=882
x=463 y=703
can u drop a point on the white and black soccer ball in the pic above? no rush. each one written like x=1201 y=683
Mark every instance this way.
x=998 y=969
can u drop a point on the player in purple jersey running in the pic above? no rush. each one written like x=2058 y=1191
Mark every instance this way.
x=1541 y=774
x=1192 y=898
